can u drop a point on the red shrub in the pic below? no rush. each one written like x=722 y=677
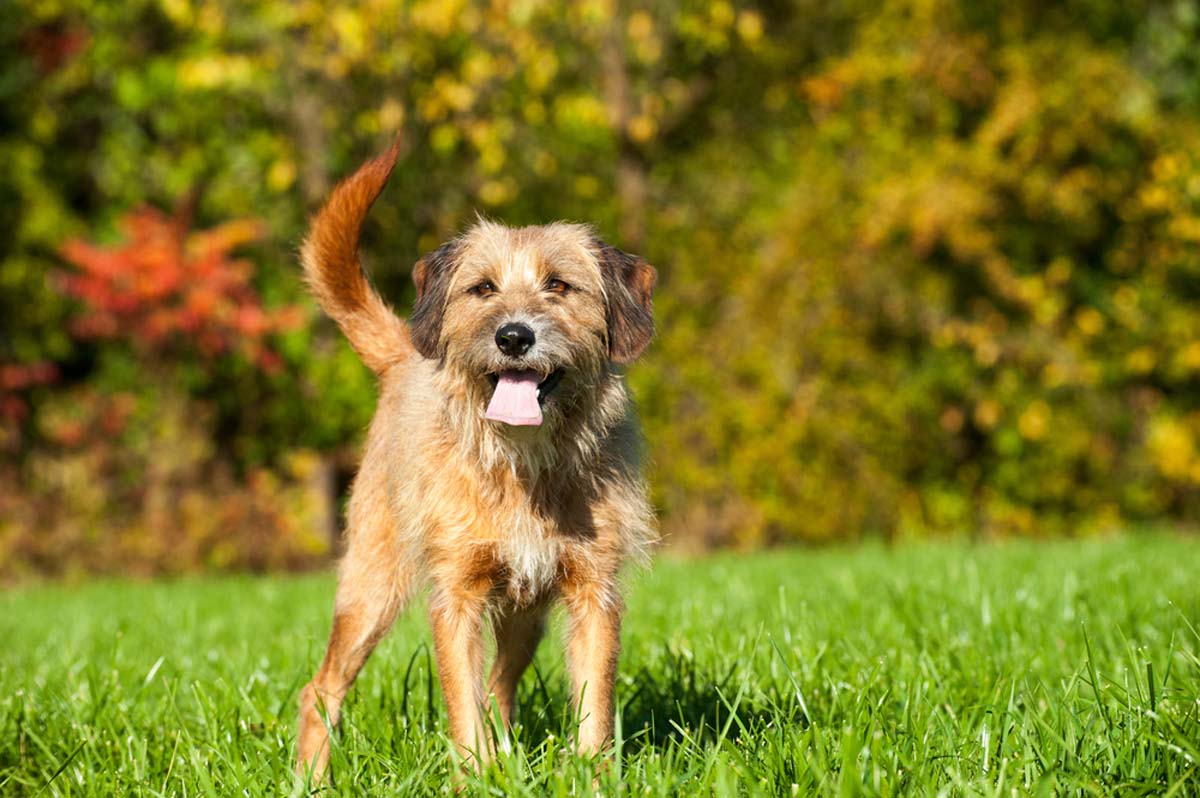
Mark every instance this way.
x=164 y=289
x=15 y=379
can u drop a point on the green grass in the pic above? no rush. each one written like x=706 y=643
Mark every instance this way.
x=1054 y=669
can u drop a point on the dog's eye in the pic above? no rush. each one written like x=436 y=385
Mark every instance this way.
x=557 y=286
x=483 y=289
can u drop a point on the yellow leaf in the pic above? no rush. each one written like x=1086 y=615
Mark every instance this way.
x=987 y=414
x=1141 y=360
x=1035 y=421
x=281 y=175
x=642 y=128
x=1172 y=447
x=1089 y=321
x=640 y=25
x=750 y=26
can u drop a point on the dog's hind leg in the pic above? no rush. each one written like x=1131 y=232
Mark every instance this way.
x=361 y=619
x=373 y=585
x=517 y=636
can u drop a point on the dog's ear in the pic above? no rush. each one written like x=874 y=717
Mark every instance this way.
x=431 y=276
x=628 y=289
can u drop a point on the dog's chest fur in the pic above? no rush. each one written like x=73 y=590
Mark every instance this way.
x=515 y=533
x=530 y=563
x=530 y=533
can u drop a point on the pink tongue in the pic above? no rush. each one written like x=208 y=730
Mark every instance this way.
x=515 y=400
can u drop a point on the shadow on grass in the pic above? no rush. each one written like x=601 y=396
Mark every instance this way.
x=662 y=705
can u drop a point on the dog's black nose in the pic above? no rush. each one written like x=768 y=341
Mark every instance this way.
x=514 y=339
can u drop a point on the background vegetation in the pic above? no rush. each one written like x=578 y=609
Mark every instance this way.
x=928 y=266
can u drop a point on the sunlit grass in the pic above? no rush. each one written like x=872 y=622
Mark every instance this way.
x=927 y=670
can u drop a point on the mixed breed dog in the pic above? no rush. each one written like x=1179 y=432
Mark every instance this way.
x=502 y=468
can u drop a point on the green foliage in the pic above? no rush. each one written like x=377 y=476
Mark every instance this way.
x=969 y=304
x=927 y=265
x=1015 y=670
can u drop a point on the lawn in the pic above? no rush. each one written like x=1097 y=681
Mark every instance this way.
x=1018 y=669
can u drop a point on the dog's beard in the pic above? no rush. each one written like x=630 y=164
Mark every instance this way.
x=576 y=417
x=525 y=391
x=570 y=383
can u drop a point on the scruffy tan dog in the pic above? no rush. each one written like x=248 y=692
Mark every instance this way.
x=502 y=466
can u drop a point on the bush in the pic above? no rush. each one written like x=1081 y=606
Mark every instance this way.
x=927 y=266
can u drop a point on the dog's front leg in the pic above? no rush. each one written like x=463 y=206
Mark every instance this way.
x=593 y=646
x=457 y=621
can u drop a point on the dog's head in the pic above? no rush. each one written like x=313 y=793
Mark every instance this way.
x=531 y=316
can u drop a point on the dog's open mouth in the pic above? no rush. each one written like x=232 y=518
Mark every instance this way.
x=518 y=396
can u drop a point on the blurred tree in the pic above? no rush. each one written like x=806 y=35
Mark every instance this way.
x=972 y=310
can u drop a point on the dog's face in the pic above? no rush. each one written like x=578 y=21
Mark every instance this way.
x=530 y=315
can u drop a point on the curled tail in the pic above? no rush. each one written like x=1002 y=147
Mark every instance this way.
x=335 y=276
